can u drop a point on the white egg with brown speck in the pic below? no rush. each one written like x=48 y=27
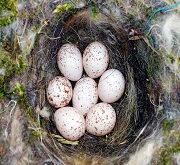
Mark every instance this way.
x=111 y=86
x=69 y=60
x=70 y=123
x=59 y=92
x=95 y=59
x=100 y=119
x=85 y=95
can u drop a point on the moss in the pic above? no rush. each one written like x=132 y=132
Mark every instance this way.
x=18 y=91
x=33 y=14
x=33 y=135
x=37 y=38
x=171 y=148
x=9 y=7
x=35 y=131
x=12 y=61
x=171 y=141
x=94 y=10
x=135 y=15
x=167 y=126
x=70 y=7
x=13 y=65
x=63 y=8
x=170 y=57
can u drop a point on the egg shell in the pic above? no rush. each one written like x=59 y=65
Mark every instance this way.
x=85 y=95
x=100 y=119
x=111 y=86
x=70 y=123
x=95 y=59
x=59 y=92
x=69 y=60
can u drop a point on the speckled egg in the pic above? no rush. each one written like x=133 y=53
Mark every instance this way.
x=95 y=59
x=59 y=92
x=111 y=86
x=70 y=123
x=85 y=95
x=100 y=119
x=69 y=60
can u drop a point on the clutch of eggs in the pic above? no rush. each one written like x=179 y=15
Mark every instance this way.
x=100 y=118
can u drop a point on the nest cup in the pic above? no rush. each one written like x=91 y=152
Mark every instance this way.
x=134 y=109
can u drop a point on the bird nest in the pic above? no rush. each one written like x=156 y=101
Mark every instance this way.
x=129 y=54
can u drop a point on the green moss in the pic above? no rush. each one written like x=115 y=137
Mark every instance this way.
x=171 y=141
x=167 y=126
x=35 y=129
x=63 y=8
x=141 y=10
x=37 y=38
x=9 y=7
x=11 y=60
x=118 y=1
x=171 y=148
x=171 y=57
x=94 y=10
x=33 y=135
x=33 y=14
x=13 y=64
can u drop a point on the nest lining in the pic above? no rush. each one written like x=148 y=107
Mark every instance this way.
x=134 y=110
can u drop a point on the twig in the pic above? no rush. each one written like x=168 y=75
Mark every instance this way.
x=10 y=116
